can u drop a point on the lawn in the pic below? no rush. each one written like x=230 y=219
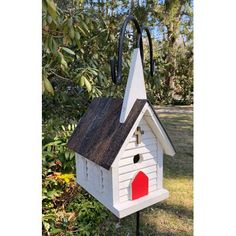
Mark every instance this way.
x=175 y=215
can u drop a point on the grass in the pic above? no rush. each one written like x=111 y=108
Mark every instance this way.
x=175 y=215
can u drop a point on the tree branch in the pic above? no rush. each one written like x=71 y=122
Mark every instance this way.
x=61 y=77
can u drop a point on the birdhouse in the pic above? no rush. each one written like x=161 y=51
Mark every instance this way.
x=119 y=146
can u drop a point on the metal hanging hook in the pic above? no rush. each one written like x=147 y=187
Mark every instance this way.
x=116 y=70
x=116 y=66
x=152 y=63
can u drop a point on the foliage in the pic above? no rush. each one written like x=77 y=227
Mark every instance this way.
x=76 y=59
x=56 y=156
x=66 y=208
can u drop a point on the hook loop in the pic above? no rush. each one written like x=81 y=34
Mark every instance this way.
x=116 y=66
x=116 y=78
x=152 y=63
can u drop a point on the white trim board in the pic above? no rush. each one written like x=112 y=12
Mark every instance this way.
x=129 y=207
x=159 y=132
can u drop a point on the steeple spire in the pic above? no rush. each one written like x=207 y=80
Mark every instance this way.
x=135 y=88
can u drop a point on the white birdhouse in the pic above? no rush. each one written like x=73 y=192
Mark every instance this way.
x=119 y=147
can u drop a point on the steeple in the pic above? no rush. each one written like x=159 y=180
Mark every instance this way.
x=135 y=87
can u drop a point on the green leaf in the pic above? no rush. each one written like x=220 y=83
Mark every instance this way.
x=70 y=22
x=94 y=72
x=68 y=50
x=46 y=226
x=64 y=64
x=81 y=82
x=48 y=86
x=72 y=33
x=78 y=43
x=56 y=231
x=51 y=8
x=72 y=155
x=81 y=30
x=49 y=19
x=85 y=26
x=43 y=87
x=67 y=154
x=112 y=37
x=77 y=35
x=52 y=45
x=44 y=6
x=87 y=84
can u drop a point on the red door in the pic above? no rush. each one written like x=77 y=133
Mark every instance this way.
x=139 y=186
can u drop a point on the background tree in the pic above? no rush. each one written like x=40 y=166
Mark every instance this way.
x=79 y=37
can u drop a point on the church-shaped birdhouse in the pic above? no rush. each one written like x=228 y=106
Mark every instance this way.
x=119 y=147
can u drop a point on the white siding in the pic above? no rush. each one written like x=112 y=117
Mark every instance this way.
x=127 y=169
x=98 y=182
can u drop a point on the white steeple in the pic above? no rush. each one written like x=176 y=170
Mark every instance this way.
x=135 y=87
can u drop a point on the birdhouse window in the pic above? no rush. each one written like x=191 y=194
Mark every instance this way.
x=137 y=158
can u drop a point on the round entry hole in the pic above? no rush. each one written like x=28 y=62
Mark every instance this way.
x=137 y=158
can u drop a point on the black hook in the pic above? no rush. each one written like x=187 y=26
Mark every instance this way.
x=152 y=63
x=117 y=77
